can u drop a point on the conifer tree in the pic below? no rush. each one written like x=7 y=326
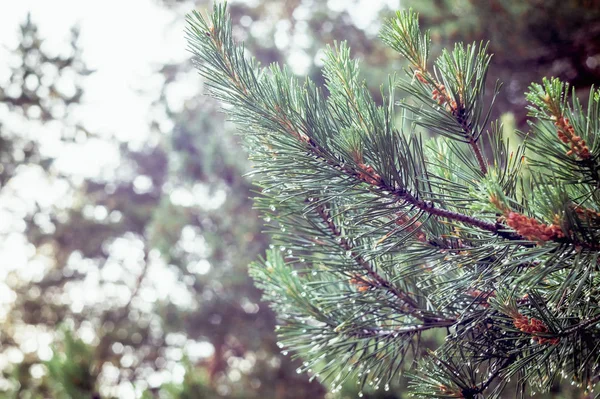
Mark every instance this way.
x=383 y=236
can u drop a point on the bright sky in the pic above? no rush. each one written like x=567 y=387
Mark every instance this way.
x=124 y=42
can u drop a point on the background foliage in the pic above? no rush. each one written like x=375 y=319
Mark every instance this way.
x=114 y=231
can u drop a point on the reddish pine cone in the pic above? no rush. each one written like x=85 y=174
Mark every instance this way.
x=361 y=285
x=534 y=326
x=566 y=134
x=404 y=219
x=532 y=229
x=419 y=75
x=440 y=94
x=368 y=174
x=481 y=296
x=449 y=392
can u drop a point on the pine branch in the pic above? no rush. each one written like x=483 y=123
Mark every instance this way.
x=478 y=155
x=457 y=110
x=404 y=196
x=347 y=246
x=226 y=63
x=502 y=254
x=460 y=94
x=395 y=333
x=481 y=388
x=581 y=326
x=413 y=308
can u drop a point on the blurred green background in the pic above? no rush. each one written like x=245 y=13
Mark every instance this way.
x=126 y=223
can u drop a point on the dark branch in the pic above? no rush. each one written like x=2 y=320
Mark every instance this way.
x=346 y=245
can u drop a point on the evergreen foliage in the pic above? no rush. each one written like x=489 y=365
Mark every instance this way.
x=383 y=237
x=71 y=369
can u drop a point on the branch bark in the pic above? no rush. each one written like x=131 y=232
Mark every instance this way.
x=413 y=306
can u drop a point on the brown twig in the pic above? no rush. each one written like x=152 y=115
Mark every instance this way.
x=581 y=326
x=412 y=305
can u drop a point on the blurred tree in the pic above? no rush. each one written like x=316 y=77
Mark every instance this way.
x=145 y=268
x=40 y=88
